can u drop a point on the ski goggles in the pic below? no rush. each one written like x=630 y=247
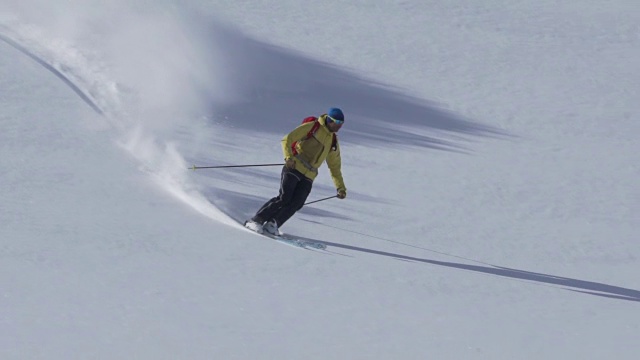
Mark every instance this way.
x=339 y=122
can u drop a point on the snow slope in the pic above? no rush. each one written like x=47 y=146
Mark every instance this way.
x=489 y=154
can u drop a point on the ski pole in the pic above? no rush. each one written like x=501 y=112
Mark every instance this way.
x=327 y=198
x=230 y=166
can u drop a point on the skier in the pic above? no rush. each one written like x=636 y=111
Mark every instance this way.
x=305 y=149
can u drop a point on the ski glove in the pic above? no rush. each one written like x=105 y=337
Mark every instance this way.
x=290 y=163
x=342 y=194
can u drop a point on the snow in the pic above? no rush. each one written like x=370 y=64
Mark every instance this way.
x=489 y=153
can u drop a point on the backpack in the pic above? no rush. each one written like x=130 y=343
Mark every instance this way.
x=314 y=128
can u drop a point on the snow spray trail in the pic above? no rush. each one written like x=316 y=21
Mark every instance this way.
x=168 y=169
x=129 y=107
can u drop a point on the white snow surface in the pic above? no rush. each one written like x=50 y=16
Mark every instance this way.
x=490 y=153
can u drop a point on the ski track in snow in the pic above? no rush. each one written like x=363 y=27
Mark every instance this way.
x=166 y=167
x=87 y=99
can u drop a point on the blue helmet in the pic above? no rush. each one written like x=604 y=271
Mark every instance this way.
x=336 y=113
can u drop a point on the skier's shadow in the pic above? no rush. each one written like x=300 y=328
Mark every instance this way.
x=581 y=286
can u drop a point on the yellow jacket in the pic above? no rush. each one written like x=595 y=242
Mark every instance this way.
x=312 y=152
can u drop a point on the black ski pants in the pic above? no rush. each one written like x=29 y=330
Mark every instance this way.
x=294 y=189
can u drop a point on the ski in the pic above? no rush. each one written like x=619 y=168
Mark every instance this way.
x=289 y=240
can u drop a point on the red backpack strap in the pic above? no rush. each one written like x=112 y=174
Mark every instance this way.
x=312 y=131
x=314 y=128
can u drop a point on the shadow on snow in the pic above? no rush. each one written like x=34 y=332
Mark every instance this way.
x=576 y=285
x=274 y=88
